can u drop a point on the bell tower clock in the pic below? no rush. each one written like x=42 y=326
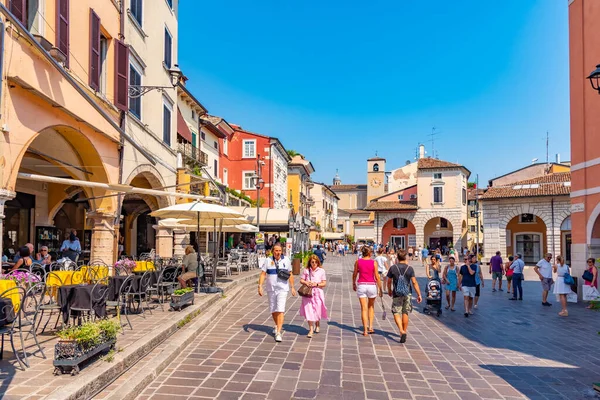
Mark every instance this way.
x=375 y=178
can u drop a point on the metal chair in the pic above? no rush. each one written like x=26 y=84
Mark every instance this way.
x=12 y=322
x=121 y=301
x=166 y=284
x=49 y=299
x=141 y=294
x=99 y=293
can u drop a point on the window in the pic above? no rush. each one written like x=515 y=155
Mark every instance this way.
x=225 y=173
x=135 y=7
x=194 y=139
x=168 y=49
x=202 y=135
x=400 y=197
x=215 y=169
x=464 y=196
x=527 y=219
x=249 y=149
x=122 y=75
x=225 y=146
x=135 y=79
x=103 y=66
x=413 y=196
x=248 y=180
x=472 y=228
x=438 y=194
x=437 y=176
x=167 y=124
x=193 y=115
x=62 y=28
x=216 y=145
x=170 y=3
x=443 y=223
x=34 y=15
x=400 y=223
x=95 y=39
x=375 y=167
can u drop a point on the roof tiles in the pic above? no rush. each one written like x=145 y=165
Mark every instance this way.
x=558 y=184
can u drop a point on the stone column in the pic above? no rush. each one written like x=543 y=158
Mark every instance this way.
x=103 y=237
x=4 y=196
x=164 y=242
x=182 y=240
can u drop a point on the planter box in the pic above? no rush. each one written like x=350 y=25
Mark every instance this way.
x=178 y=301
x=68 y=355
x=296 y=266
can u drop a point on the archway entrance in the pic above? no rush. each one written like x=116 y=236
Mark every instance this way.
x=44 y=211
x=438 y=233
x=399 y=232
x=565 y=239
x=526 y=234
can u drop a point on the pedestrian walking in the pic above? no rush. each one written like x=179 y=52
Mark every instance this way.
x=450 y=279
x=518 y=266
x=402 y=277
x=544 y=271
x=367 y=285
x=496 y=271
x=275 y=270
x=424 y=254
x=479 y=283
x=313 y=308
x=561 y=289
x=382 y=266
x=392 y=259
x=466 y=284
x=509 y=273
x=320 y=254
x=410 y=252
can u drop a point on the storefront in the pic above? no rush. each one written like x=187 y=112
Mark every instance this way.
x=17 y=228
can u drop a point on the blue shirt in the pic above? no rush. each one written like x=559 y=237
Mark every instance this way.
x=468 y=280
x=68 y=245
x=518 y=266
x=425 y=252
x=477 y=278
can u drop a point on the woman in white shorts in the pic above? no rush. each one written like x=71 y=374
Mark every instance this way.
x=382 y=265
x=367 y=287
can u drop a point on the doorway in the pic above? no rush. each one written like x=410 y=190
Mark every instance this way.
x=530 y=246
x=398 y=241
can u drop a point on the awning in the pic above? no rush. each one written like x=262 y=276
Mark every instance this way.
x=271 y=219
x=332 y=235
x=183 y=129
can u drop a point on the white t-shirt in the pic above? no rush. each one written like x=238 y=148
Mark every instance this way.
x=381 y=260
x=274 y=284
x=545 y=268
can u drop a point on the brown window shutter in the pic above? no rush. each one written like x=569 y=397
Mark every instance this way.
x=62 y=27
x=121 y=75
x=94 y=51
x=19 y=9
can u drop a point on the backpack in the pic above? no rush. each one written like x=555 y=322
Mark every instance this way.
x=402 y=287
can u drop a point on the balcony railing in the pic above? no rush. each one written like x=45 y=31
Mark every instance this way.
x=192 y=155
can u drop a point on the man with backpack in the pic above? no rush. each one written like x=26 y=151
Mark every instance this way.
x=401 y=277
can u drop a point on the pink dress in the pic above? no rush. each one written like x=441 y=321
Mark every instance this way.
x=313 y=308
x=587 y=283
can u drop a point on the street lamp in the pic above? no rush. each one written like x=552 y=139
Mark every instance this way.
x=136 y=91
x=259 y=183
x=595 y=79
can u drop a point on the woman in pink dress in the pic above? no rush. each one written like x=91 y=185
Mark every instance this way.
x=591 y=267
x=313 y=308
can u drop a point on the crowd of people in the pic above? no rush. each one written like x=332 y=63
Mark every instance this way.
x=380 y=268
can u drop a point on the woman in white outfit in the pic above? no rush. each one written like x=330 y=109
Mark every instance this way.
x=382 y=265
x=561 y=289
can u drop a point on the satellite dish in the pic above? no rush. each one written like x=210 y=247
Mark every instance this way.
x=407 y=162
x=534 y=160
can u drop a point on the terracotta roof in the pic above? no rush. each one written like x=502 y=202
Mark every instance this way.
x=359 y=186
x=212 y=119
x=353 y=211
x=558 y=184
x=376 y=159
x=471 y=193
x=392 y=206
x=370 y=223
x=434 y=163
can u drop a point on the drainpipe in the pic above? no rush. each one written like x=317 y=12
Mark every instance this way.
x=552 y=224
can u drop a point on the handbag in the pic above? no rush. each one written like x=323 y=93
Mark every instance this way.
x=306 y=291
x=568 y=279
x=587 y=276
x=282 y=274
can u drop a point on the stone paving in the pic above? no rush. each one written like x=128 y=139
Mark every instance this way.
x=38 y=381
x=510 y=350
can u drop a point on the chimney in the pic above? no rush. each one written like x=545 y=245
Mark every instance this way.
x=558 y=158
x=421 y=151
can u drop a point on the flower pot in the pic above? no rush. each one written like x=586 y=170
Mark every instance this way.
x=296 y=266
x=68 y=355
x=180 y=300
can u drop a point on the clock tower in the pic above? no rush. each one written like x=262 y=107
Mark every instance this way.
x=375 y=178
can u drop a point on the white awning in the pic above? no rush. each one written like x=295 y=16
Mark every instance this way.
x=332 y=235
x=270 y=218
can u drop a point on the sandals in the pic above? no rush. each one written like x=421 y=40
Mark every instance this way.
x=310 y=334
x=447 y=307
x=317 y=330
x=564 y=313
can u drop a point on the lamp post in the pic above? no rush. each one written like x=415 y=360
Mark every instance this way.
x=595 y=79
x=136 y=91
x=259 y=183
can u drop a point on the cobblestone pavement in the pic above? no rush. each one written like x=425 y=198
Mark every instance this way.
x=510 y=350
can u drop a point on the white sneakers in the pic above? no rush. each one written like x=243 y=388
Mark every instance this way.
x=278 y=337
x=274 y=331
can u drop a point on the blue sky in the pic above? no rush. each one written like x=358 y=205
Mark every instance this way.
x=339 y=80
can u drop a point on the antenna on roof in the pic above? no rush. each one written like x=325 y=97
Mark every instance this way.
x=432 y=140
x=547 y=157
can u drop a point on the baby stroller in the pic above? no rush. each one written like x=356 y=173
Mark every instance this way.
x=434 y=298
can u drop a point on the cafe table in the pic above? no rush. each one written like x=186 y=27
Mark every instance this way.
x=97 y=272
x=142 y=266
x=80 y=297
x=66 y=278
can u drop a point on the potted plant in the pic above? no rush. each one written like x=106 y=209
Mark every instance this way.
x=182 y=297
x=22 y=278
x=126 y=264
x=296 y=263
x=80 y=343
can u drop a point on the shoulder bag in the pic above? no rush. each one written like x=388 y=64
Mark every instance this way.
x=282 y=274
x=306 y=291
x=568 y=278
x=587 y=276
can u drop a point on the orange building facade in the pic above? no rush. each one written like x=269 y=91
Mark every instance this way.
x=584 y=44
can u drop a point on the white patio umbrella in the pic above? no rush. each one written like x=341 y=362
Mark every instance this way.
x=197 y=212
x=229 y=225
